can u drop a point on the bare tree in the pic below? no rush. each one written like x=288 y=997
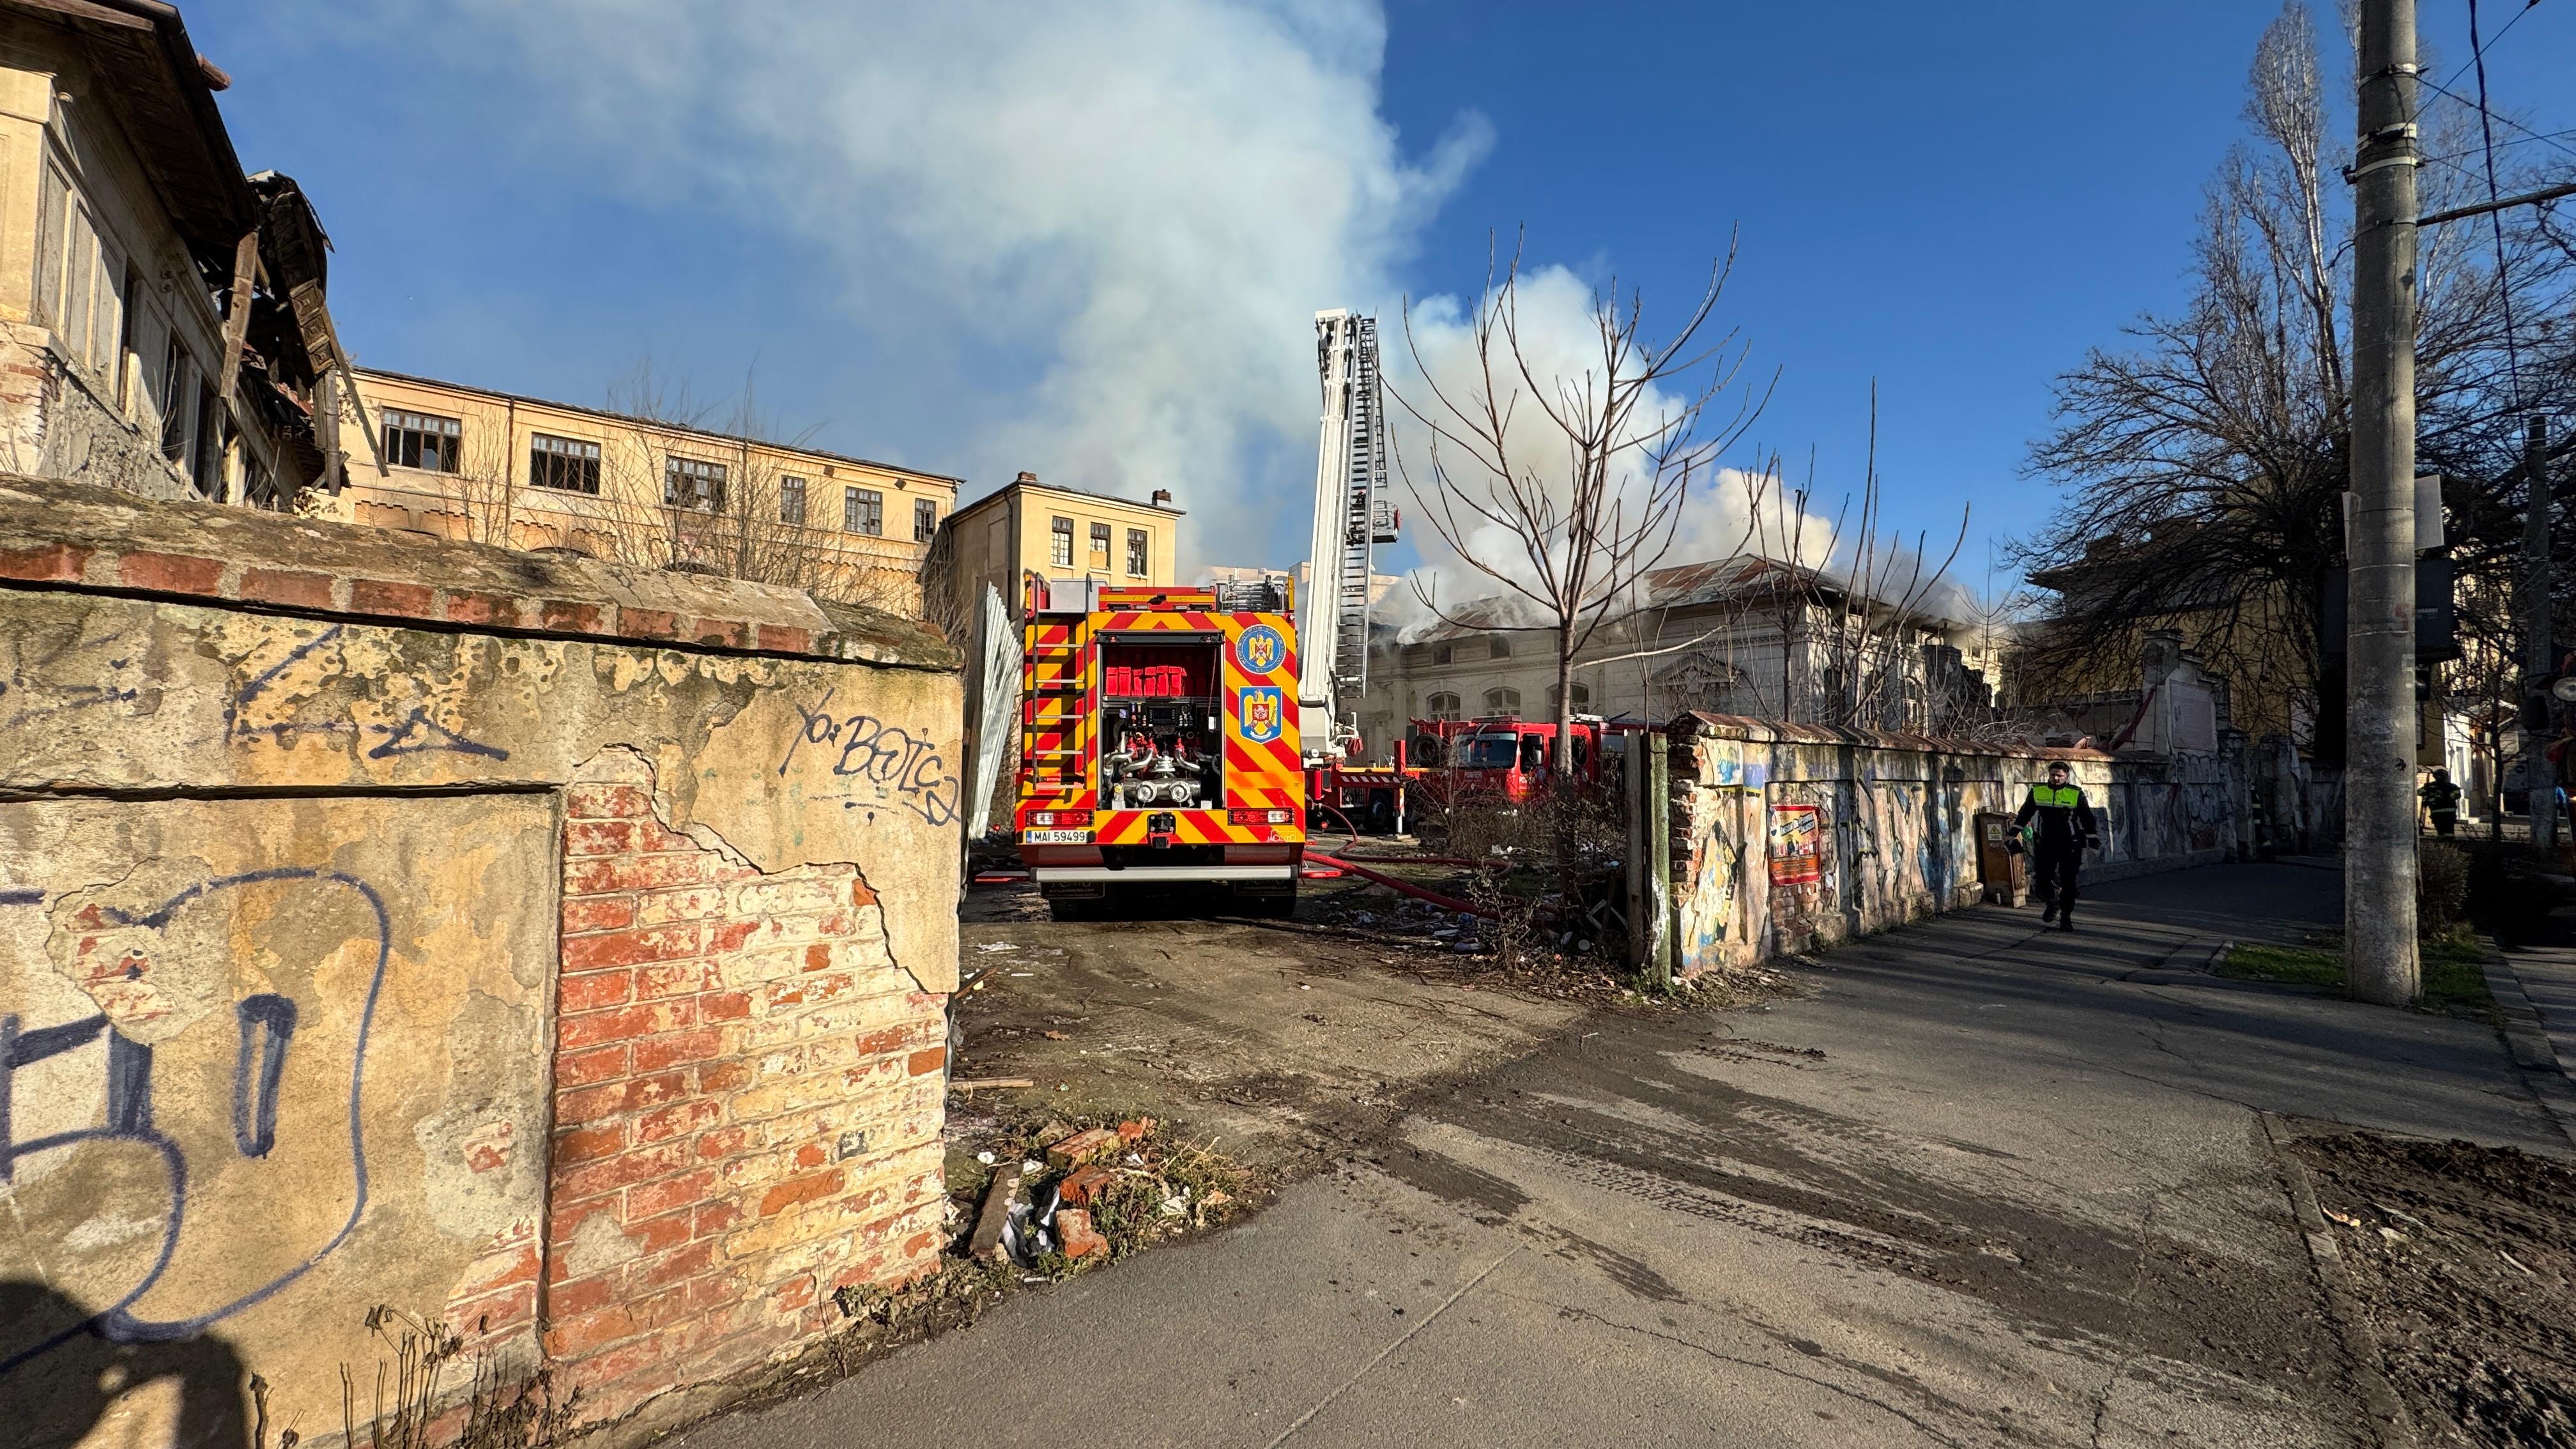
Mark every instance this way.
x=1589 y=484
x=2203 y=464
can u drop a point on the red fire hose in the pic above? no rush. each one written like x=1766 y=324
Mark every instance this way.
x=1451 y=903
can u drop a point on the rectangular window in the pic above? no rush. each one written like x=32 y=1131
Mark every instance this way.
x=125 y=349
x=1100 y=545
x=862 y=511
x=422 y=440
x=53 y=205
x=80 y=263
x=567 y=463
x=173 y=400
x=1060 y=547
x=791 y=500
x=1140 y=553
x=925 y=520
x=693 y=483
x=210 y=445
x=1501 y=647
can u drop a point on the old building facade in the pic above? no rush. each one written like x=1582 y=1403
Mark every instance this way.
x=456 y=461
x=1026 y=527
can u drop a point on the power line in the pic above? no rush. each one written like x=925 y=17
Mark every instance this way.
x=2477 y=52
x=2548 y=139
x=2495 y=219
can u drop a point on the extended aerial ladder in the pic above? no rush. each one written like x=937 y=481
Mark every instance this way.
x=1352 y=516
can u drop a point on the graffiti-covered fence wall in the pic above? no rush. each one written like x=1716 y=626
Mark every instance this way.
x=551 y=950
x=1788 y=837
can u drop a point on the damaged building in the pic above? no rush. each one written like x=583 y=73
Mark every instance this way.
x=163 y=313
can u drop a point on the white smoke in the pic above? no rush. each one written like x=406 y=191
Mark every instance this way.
x=1138 y=204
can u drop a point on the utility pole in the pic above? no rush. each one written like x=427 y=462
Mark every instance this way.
x=2380 y=714
x=2539 y=655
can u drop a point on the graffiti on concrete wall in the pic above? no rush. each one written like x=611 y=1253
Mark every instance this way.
x=875 y=762
x=280 y=703
x=158 y=970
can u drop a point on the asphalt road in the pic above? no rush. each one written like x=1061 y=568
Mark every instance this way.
x=1983 y=1185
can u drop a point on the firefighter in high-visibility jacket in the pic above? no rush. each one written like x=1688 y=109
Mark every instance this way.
x=2065 y=826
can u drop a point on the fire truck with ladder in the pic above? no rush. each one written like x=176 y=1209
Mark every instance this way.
x=1169 y=737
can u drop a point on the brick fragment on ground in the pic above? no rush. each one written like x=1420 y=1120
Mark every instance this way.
x=1084 y=1183
x=1075 y=1235
x=1134 y=1132
x=1082 y=1147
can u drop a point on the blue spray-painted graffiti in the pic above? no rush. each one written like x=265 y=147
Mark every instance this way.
x=267 y=1025
x=413 y=734
x=885 y=761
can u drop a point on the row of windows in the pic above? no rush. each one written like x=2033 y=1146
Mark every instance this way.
x=1140 y=548
x=1445 y=705
x=1497 y=646
x=431 y=442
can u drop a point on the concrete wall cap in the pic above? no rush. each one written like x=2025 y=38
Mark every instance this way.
x=57 y=535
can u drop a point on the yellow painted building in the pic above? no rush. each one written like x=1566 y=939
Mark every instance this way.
x=466 y=462
x=1027 y=527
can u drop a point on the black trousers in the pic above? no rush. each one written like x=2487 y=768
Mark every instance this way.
x=2053 y=869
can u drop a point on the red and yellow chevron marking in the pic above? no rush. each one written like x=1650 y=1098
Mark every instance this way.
x=1060 y=707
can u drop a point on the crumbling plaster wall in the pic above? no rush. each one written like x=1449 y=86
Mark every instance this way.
x=553 y=948
x=1789 y=838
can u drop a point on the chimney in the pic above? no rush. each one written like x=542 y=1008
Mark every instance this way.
x=1162 y=498
x=1026 y=477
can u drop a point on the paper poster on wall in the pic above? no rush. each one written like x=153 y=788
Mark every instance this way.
x=1797 y=845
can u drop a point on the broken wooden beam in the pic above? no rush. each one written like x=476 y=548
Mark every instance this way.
x=986 y=1240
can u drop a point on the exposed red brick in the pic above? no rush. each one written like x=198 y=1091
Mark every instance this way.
x=799 y=1189
x=591 y=1028
x=784 y=640
x=464 y=606
x=1082 y=1147
x=599 y=837
x=625 y=1170
x=519 y=1267
x=594 y=989
x=724 y=1005
x=731 y=935
x=1084 y=1183
x=923 y=1063
x=810 y=1155
x=630 y=948
x=568 y=616
x=715 y=1217
x=565 y=1217
x=670 y=1194
x=860 y=895
x=599 y=802
x=597 y=913
x=293 y=588
x=170 y=573
x=647 y=623
x=53 y=563
x=795 y=1295
x=818 y=957
x=607 y=875
x=723 y=1141
x=581 y=1295
x=723 y=633
x=676 y=1120
x=660 y=1234
x=667 y=979
x=587 y=1144
x=598 y=1064
x=384 y=596
x=1075 y=1235
x=653 y=1054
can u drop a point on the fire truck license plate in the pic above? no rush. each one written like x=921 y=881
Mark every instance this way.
x=1055 y=837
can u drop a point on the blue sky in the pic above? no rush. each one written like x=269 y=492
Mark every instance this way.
x=1086 y=243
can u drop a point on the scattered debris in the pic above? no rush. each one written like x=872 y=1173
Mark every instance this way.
x=1134 y=1130
x=975 y=1084
x=1082 y=1184
x=999 y=1194
x=1082 y=1147
x=1078 y=1238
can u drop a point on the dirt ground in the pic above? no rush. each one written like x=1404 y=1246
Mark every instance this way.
x=1282 y=1041
x=2464 y=1258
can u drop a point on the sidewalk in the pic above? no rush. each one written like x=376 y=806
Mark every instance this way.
x=1984 y=1184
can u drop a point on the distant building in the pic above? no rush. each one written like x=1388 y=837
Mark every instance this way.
x=465 y=462
x=1743 y=636
x=1030 y=528
x=162 y=318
